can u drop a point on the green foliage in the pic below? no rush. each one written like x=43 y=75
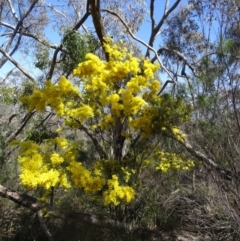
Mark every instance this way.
x=42 y=57
x=163 y=110
x=76 y=46
x=227 y=50
x=8 y=95
x=40 y=134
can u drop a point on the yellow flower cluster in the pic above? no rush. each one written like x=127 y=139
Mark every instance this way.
x=119 y=85
x=83 y=178
x=51 y=95
x=179 y=135
x=171 y=161
x=116 y=193
x=40 y=169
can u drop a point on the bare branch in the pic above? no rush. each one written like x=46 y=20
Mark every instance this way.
x=81 y=22
x=161 y=22
x=77 y=13
x=164 y=86
x=166 y=6
x=16 y=30
x=20 y=199
x=20 y=24
x=180 y=55
x=8 y=74
x=28 y=34
x=207 y=161
x=15 y=134
x=17 y=65
x=96 y=220
x=55 y=10
x=98 y=147
x=13 y=11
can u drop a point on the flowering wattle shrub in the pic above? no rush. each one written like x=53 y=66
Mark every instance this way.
x=118 y=108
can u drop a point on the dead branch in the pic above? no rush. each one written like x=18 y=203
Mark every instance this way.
x=32 y=203
x=20 y=199
x=210 y=163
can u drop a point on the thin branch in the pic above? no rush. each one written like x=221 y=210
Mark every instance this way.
x=17 y=65
x=8 y=74
x=17 y=44
x=208 y=161
x=166 y=7
x=55 y=10
x=20 y=199
x=13 y=10
x=180 y=55
x=15 y=134
x=81 y=21
x=3 y=61
x=20 y=24
x=140 y=41
x=161 y=22
x=16 y=30
x=165 y=85
x=98 y=147
x=28 y=34
x=41 y=123
x=78 y=15
x=206 y=55
x=166 y=14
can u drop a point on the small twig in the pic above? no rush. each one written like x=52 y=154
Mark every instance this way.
x=165 y=85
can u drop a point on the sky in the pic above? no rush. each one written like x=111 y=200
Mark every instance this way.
x=143 y=34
